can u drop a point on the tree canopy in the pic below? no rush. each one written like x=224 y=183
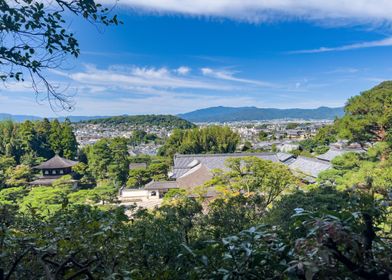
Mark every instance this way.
x=210 y=139
x=368 y=116
x=168 y=121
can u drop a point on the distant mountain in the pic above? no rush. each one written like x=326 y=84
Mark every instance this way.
x=81 y=118
x=157 y=120
x=18 y=118
x=227 y=114
x=22 y=118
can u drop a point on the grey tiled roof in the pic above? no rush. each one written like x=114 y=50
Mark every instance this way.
x=283 y=157
x=333 y=153
x=161 y=185
x=309 y=166
x=56 y=162
x=183 y=163
x=48 y=180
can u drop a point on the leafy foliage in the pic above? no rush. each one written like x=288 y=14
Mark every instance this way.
x=108 y=159
x=368 y=116
x=31 y=142
x=210 y=139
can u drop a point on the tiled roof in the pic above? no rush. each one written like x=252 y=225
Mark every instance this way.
x=196 y=176
x=161 y=185
x=182 y=163
x=283 y=157
x=333 y=153
x=309 y=166
x=56 y=162
x=48 y=180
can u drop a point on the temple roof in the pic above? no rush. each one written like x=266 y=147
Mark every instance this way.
x=56 y=162
x=184 y=163
x=161 y=185
x=333 y=153
x=309 y=166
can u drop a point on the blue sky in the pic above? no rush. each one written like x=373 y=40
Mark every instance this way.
x=177 y=56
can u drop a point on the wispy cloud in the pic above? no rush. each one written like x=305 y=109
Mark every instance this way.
x=229 y=76
x=121 y=89
x=343 y=70
x=387 y=42
x=264 y=10
x=144 y=77
x=135 y=78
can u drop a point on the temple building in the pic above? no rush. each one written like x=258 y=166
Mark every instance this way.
x=53 y=169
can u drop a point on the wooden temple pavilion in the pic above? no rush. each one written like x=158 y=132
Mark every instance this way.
x=53 y=169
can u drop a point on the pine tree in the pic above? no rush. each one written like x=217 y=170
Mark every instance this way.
x=55 y=137
x=43 y=129
x=27 y=137
x=68 y=140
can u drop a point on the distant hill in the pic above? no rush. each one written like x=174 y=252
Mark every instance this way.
x=227 y=114
x=18 y=118
x=81 y=118
x=22 y=118
x=154 y=120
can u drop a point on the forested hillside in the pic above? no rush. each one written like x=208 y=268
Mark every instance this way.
x=147 y=120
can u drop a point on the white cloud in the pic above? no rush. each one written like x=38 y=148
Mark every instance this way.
x=142 y=77
x=362 y=45
x=183 y=70
x=229 y=76
x=137 y=78
x=261 y=10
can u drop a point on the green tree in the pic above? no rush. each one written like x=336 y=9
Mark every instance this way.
x=18 y=176
x=292 y=125
x=138 y=177
x=42 y=130
x=254 y=175
x=99 y=158
x=69 y=144
x=368 y=116
x=83 y=174
x=211 y=139
x=13 y=195
x=105 y=192
x=27 y=137
x=138 y=137
x=119 y=165
x=55 y=137
x=45 y=200
x=263 y=135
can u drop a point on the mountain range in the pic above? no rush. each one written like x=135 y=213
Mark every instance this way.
x=220 y=114
x=22 y=118
x=229 y=114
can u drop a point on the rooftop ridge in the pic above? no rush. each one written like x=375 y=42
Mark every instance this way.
x=56 y=162
x=313 y=159
x=224 y=155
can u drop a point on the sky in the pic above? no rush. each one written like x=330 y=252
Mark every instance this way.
x=176 y=56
